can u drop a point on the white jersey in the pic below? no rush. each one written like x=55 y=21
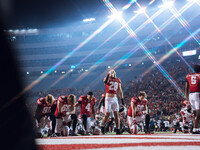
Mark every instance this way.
x=166 y=123
x=174 y=122
x=187 y=116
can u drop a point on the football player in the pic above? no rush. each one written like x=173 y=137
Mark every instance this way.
x=138 y=111
x=187 y=116
x=101 y=105
x=112 y=85
x=87 y=103
x=192 y=92
x=46 y=107
x=177 y=122
x=65 y=114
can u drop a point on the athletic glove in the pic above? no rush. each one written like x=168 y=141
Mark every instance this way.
x=122 y=101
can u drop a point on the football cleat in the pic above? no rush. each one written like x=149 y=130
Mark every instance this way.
x=103 y=130
x=118 y=131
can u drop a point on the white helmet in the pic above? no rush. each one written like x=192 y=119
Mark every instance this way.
x=134 y=129
x=97 y=131
x=65 y=131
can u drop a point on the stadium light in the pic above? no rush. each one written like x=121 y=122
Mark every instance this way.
x=27 y=72
x=89 y=19
x=166 y=4
x=129 y=65
x=23 y=31
x=82 y=69
x=41 y=72
x=55 y=71
x=108 y=66
x=16 y=31
x=71 y=70
x=116 y=15
x=141 y=10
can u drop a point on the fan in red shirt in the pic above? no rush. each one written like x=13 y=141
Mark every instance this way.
x=112 y=85
x=46 y=107
x=65 y=115
x=87 y=103
x=192 y=93
x=138 y=111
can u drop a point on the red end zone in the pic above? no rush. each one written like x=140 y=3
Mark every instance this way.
x=96 y=142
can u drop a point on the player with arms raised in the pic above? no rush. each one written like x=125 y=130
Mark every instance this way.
x=192 y=92
x=112 y=85
x=138 y=111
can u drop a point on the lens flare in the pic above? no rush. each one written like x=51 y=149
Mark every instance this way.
x=183 y=22
x=147 y=52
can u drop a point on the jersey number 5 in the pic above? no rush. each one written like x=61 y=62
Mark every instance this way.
x=193 y=80
x=113 y=86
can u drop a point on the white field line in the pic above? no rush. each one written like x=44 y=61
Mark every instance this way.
x=106 y=141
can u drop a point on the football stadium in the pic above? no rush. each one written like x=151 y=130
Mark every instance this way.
x=100 y=74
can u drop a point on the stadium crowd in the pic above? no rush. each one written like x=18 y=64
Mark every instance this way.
x=164 y=100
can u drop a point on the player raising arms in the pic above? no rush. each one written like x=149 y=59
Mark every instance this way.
x=138 y=111
x=46 y=107
x=65 y=114
x=87 y=103
x=112 y=85
x=192 y=93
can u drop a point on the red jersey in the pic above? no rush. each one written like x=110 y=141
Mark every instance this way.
x=140 y=105
x=46 y=108
x=194 y=82
x=86 y=105
x=66 y=107
x=112 y=85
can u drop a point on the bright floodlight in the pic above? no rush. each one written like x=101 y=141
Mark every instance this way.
x=116 y=15
x=167 y=4
x=140 y=11
x=89 y=19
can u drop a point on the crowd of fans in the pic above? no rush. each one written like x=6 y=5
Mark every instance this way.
x=164 y=99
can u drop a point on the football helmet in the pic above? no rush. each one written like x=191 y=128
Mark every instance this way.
x=134 y=129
